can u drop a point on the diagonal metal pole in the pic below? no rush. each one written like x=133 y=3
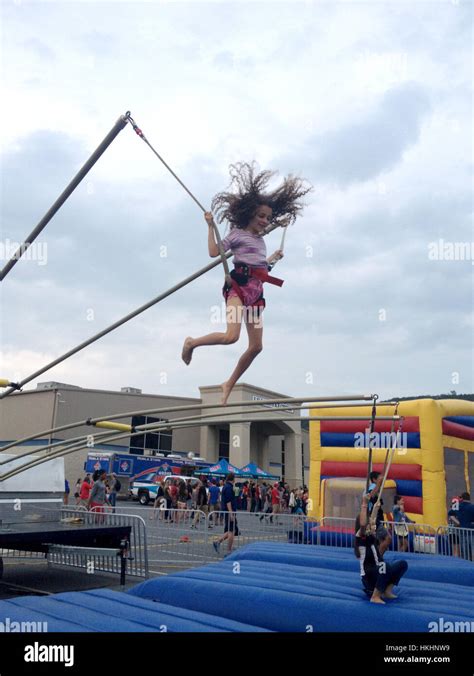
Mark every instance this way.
x=115 y=325
x=113 y=133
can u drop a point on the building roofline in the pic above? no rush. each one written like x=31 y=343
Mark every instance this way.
x=240 y=386
x=76 y=388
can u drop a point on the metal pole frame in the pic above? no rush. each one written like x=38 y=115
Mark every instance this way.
x=106 y=437
x=186 y=422
x=202 y=407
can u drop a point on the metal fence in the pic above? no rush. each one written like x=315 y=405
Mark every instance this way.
x=137 y=563
x=168 y=540
x=47 y=515
x=455 y=541
x=410 y=537
x=183 y=538
x=20 y=554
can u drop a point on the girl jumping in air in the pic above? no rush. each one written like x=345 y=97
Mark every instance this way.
x=249 y=210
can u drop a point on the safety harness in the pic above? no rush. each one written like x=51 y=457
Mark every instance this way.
x=240 y=276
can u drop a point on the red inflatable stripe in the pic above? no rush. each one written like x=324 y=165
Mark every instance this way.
x=359 y=469
x=410 y=424
x=413 y=505
x=453 y=429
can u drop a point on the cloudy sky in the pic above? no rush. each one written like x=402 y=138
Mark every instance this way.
x=369 y=101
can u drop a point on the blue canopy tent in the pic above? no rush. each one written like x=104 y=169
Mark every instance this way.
x=223 y=467
x=253 y=470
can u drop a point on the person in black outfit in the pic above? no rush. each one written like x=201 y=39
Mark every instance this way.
x=373 y=496
x=378 y=577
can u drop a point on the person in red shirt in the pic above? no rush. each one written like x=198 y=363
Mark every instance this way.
x=275 y=500
x=174 y=500
x=85 y=490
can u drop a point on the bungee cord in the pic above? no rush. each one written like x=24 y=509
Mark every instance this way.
x=141 y=135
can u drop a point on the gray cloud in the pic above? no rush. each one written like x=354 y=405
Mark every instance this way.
x=364 y=148
x=241 y=88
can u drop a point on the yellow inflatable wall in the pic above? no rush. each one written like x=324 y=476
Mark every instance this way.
x=430 y=455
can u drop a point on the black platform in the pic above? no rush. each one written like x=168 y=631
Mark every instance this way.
x=35 y=537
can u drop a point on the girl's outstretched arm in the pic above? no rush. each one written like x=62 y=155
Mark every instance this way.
x=211 y=236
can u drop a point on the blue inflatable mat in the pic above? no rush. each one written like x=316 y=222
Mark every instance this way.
x=427 y=567
x=109 y=611
x=343 y=584
x=300 y=588
x=269 y=605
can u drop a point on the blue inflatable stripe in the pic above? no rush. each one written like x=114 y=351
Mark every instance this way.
x=406 y=487
x=347 y=440
x=467 y=420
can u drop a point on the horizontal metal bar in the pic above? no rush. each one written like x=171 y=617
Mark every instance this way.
x=81 y=445
x=273 y=415
x=198 y=421
x=188 y=407
x=83 y=551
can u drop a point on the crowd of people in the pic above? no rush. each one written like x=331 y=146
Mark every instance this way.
x=251 y=496
x=203 y=495
x=97 y=491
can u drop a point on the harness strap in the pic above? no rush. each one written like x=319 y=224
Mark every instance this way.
x=237 y=289
x=261 y=274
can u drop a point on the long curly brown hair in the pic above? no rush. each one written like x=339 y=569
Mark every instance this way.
x=247 y=191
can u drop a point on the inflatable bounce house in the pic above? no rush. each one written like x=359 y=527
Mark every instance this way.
x=435 y=461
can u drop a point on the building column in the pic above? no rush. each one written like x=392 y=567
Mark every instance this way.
x=209 y=443
x=293 y=464
x=239 y=444
x=265 y=455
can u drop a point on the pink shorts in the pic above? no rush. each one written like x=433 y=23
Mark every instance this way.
x=252 y=293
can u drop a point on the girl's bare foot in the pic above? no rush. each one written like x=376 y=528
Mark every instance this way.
x=388 y=593
x=377 y=599
x=187 y=353
x=226 y=390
